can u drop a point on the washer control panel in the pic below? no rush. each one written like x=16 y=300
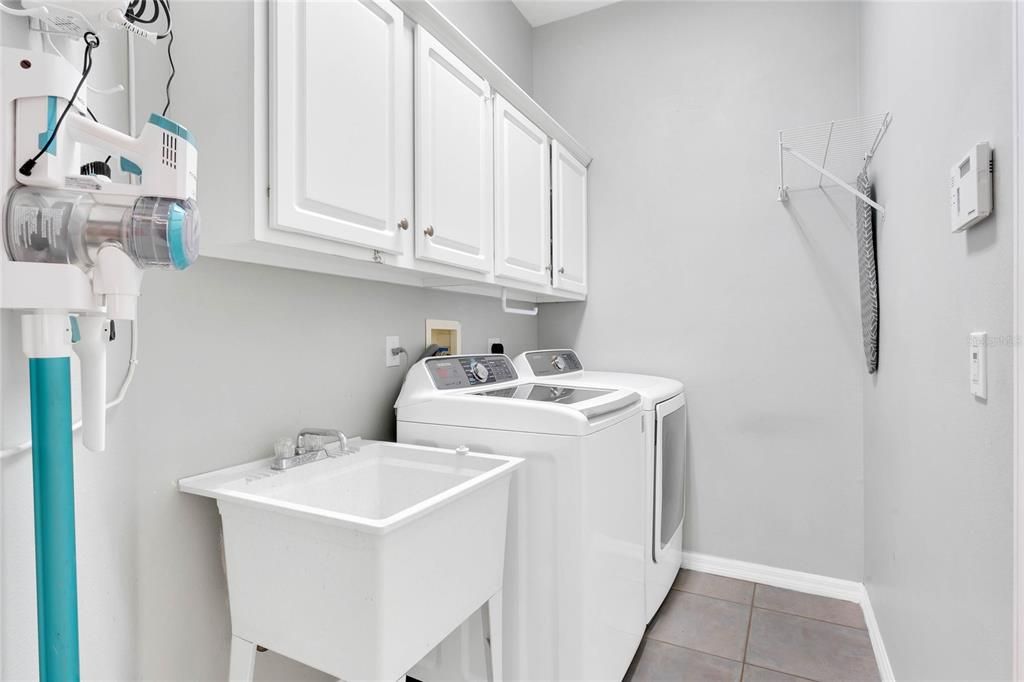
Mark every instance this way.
x=467 y=371
x=552 y=362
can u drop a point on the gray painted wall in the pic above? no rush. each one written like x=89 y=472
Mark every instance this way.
x=938 y=462
x=232 y=357
x=500 y=30
x=698 y=273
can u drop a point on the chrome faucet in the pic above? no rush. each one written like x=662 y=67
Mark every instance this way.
x=310 y=447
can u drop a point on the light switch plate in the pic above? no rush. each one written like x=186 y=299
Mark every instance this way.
x=390 y=359
x=979 y=364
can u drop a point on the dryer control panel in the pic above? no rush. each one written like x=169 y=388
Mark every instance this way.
x=545 y=363
x=467 y=371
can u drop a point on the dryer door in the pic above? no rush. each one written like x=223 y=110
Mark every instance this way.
x=669 y=472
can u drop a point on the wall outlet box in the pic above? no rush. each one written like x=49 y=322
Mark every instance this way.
x=970 y=192
x=390 y=358
x=979 y=365
x=445 y=333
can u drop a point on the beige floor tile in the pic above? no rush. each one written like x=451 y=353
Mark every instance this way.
x=730 y=589
x=809 y=606
x=810 y=648
x=659 y=661
x=754 y=674
x=713 y=626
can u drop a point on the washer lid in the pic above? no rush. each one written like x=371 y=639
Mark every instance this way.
x=563 y=365
x=653 y=389
x=508 y=404
x=566 y=395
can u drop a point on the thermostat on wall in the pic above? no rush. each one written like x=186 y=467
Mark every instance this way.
x=971 y=187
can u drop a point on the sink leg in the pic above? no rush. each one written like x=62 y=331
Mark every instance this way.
x=491 y=612
x=243 y=660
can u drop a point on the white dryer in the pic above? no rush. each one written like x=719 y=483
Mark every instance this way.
x=574 y=569
x=664 y=410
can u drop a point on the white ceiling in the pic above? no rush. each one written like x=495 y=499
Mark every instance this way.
x=540 y=12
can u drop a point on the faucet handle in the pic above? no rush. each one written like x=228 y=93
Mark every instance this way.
x=284 y=447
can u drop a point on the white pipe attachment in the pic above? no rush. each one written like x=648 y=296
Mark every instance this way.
x=91 y=349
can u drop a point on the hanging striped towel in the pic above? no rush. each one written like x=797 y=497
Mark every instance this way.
x=868 y=272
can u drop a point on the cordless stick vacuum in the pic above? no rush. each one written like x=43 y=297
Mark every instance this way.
x=77 y=245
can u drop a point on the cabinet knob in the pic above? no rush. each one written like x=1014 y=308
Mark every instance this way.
x=561 y=270
x=429 y=231
x=404 y=224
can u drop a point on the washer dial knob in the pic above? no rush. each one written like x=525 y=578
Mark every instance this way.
x=480 y=371
x=558 y=362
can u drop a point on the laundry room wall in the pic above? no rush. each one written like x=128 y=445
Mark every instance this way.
x=232 y=356
x=698 y=273
x=939 y=462
x=500 y=30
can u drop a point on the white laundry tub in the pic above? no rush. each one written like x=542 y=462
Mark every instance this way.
x=359 y=565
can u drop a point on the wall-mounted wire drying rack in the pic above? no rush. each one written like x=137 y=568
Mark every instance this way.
x=837 y=151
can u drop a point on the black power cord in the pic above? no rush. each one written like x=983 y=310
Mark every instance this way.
x=92 y=41
x=137 y=10
x=137 y=14
x=167 y=88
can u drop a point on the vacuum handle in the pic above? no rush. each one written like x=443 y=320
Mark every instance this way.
x=103 y=137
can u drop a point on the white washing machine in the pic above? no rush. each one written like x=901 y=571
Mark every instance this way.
x=664 y=416
x=574 y=565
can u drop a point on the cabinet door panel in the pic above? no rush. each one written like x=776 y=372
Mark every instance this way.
x=454 y=174
x=569 y=213
x=522 y=200
x=341 y=124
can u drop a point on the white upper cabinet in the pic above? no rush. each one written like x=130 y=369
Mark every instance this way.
x=341 y=121
x=454 y=171
x=373 y=139
x=569 y=215
x=522 y=200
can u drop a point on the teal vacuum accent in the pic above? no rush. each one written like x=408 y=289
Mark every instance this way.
x=54 y=491
x=51 y=123
x=173 y=128
x=129 y=166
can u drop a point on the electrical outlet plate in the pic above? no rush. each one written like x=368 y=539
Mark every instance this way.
x=491 y=341
x=390 y=359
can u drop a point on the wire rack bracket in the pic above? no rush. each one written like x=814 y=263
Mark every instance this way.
x=836 y=151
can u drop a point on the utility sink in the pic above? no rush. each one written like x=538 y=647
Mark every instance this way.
x=358 y=565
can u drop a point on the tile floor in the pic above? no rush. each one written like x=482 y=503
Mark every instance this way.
x=713 y=628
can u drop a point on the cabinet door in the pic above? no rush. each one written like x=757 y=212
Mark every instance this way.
x=522 y=200
x=454 y=173
x=569 y=214
x=341 y=121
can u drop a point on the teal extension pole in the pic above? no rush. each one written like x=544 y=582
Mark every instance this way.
x=54 y=495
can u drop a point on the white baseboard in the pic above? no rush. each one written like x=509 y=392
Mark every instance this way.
x=821 y=585
x=810 y=583
x=881 y=655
